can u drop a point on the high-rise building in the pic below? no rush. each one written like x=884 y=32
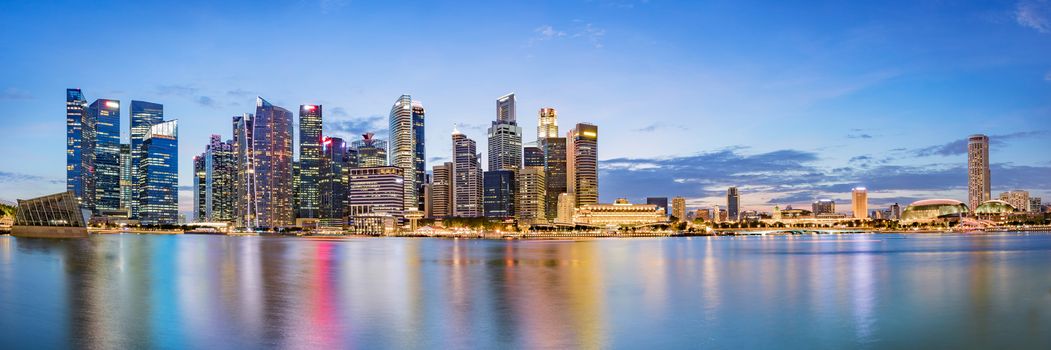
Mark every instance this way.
x=895 y=212
x=442 y=190
x=372 y=152
x=505 y=136
x=310 y=119
x=272 y=164
x=467 y=177
x=78 y=138
x=407 y=146
x=334 y=185
x=214 y=173
x=1016 y=198
x=583 y=163
x=143 y=115
x=105 y=114
x=126 y=179
x=660 y=202
x=498 y=193
x=678 y=208
x=859 y=202
x=547 y=126
x=824 y=207
x=1035 y=205
x=376 y=190
x=978 y=183
x=566 y=208
x=533 y=156
x=244 y=175
x=556 y=176
x=733 y=203
x=158 y=175
x=201 y=195
x=530 y=206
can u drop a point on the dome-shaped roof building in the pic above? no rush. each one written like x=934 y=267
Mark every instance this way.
x=933 y=209
x=994 y=207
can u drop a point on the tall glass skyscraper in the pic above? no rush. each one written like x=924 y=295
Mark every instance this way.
x=978 y=183
x=583 y=159
x=77 y=161
x=498 y=193
x=310 y=119
x=272 y=163
x=126 y=179
x=214 y=181
x=407 y=149
x=372 y=152
x=467 y=177
x=733 y=204
x=158 y=175
x=244 y=171
x=505 y=137
x=334 y=178
x=106 y=117
x=555 y=173
x=143 y=115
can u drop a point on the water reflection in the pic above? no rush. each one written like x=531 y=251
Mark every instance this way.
x=131 y=291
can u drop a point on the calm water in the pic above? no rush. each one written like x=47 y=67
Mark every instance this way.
x=868 y=291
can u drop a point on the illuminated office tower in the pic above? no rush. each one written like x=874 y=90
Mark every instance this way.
x=530 y=206
x=337 y=160
x=583 y=159
x=158 y=175
x=978 y=184
x=105 y=114
x=407 y=147
x=678 y=208
x=467 y=177
x=859 y=202
x=126 y=182
x=272 y=163
x=505 y=137
x=533 y=156
x=376 y=190
x=823 y=207
x=555 y=173
x=310 y=119
x=244 y=172
x=498 y=197
x=372 y=152
x=201 y=196
x=733 y=204
x=214 y=173
x=143 y=115
x=78 y=138
x=1018 y=199
x=547 y=125
x=442 y=190
x=566 y=208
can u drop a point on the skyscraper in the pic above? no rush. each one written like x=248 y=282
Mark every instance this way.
x=555 y=173
x=310 y=119
x=467 y=177
x=372 y=152
x=547 y=125
x=376 y=190
x=77 y=138
x=442 y=190
x=584 y=163
x=143 y=115
x=1017 y=198
x=126 y=179
x=334 y=184
x=105 y=116
x=505 y=136
x=531 y=195
x=566 y=208
x=407 y=146
x=498 y=197
x=978 y=184
x=533 y=156
x=272 y=162
x=859 y=202
x=214 y=172
x=244 y=175
x=158 y=175
x=733 y=203
x=678 y=208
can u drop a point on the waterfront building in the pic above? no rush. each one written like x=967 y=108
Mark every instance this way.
x=619 y=213
x=824 y=207
x=678 y=208
x=531 y=195
x=467 y=177
x=372 y=152
x=733 y=203
x=53 y=216
x=442 y=190
x=498 y=197
x=126 y=182
x=703 y=214
x=556 y=176
x=201 y=196
x=78 y=139
x=978 y=182
x=104 y=114
x=143 y=116
x=660 y=202
x=1019 y=199
x=158 y=175
x=533 y=156
x=547 y=125
x=244 y=174
x=272 y=165
x=376 y=191
x=407 y=149
x=859 y=202
x=505 y=136
x=295 y=190
x=997 y=210
x=1035 y=205
x=566 y=208
x=929 y=210
x=583 y=163
x=309 y=196
x=214 y=172
x=334 y=178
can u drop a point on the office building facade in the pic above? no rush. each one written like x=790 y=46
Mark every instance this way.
x=407 y=151
x=505 y=137
x=272 y=165
x=498 y=193
x=143 y=115
x=78 y=138
x=678 y=208
x=978 y=183
x=556 y=176
x=583 y=159
x=158 y=175
x=532 y=188
x=733 y=204
x=334 y=178
x=309 y=196
x=105 y=116
x=376 y=191
x=859 y=202
x=371 y=152
x=467 y=177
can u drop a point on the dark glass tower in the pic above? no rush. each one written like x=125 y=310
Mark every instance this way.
x=555 y=171
x=310 y=119
x=106 y=117
x=158 y=175
x=498 y=194
x=467 y=177
x=334 y=184
x=77 y=161
x=143 y=115
x=533 y=156
x=272 y=162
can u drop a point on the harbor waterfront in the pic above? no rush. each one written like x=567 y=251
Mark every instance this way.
x=973 y=290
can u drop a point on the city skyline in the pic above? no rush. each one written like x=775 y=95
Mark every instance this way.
x=894 y=152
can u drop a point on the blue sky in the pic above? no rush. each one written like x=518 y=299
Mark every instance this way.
x=790 y=100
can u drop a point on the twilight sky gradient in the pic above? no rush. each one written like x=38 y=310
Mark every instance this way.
x=789 y=100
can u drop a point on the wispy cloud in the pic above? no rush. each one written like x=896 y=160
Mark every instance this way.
x=7 y=177
x=240 y=93
x=338 y=112
x=589 y=32
x=592 y=34
x=351 y=129
x=15 y=94
x=206 y=101
x=1035 y=14
x=959 y=146
x=176 y=90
